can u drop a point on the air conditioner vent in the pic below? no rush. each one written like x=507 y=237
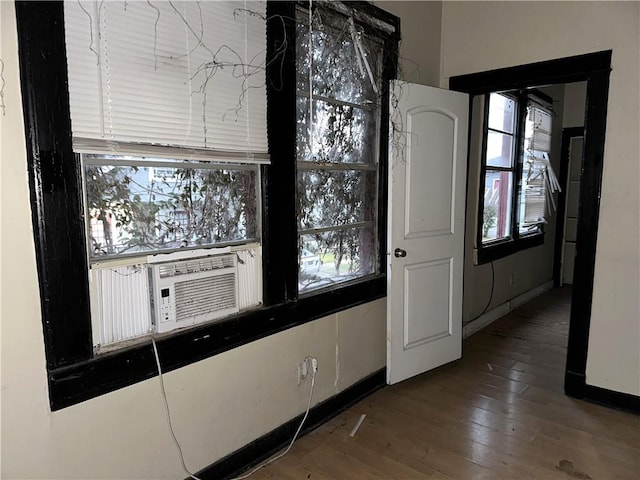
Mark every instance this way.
x=205 y=296
x=195 y=266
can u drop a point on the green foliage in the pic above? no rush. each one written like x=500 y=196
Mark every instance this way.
x=489 y=217
x=190 y=207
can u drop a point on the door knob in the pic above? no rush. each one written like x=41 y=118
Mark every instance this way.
x=399 y=253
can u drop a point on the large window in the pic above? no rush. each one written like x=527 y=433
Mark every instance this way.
x=517 y=180
x=155 y=171
x=338 y=89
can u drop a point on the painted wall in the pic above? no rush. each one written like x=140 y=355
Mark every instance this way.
x=489 y=286
x=420 y=44
x=575 y=95
x=217 y=405
x=478 y=36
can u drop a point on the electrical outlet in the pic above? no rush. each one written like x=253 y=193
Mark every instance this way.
x=308 y=366
x=303 y=371
x=511 y=279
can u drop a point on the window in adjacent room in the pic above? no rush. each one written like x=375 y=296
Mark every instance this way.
x=517 y=180
x=500 y=168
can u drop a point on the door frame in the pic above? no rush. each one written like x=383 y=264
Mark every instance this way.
x=594 y=68
x=568 y=134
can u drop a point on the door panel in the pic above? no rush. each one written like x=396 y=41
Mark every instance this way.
x=429 y=183
x=426 y=285
x=426 y=227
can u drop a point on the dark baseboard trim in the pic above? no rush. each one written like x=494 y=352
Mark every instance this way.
x=265 y=446
x=575 y=386
x=613 y=399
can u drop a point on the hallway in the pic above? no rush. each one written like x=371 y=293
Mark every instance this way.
x=499 y=412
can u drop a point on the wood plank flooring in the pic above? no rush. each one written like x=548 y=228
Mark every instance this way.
x=500 y=412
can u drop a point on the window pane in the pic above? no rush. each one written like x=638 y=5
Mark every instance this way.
x=339 y=70
x=502 y=113
x=496 y=217
x=330 y=197
x=499 y=149
x=341 y=133
x=134 y=209
x=337 y=256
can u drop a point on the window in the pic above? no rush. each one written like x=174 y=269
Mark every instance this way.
x=133 y=208
x=500 y=168
x=167 y=155
x=517 y=182
x=168 y=117
x=338 y=89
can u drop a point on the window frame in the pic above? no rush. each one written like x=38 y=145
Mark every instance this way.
x=364 y=168
x=515 y=241
x=74 y=373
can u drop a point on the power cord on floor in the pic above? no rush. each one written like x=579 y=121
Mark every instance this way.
x=314 y=371
x=166 y=409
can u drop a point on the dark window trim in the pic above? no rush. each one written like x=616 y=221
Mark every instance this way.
x=515 y=242
x=74 y=374
x=595 y=69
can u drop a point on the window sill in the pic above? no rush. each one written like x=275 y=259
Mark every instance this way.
x=489 y=253
x=114 y=370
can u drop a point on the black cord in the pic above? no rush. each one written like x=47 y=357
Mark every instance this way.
x=493 y=283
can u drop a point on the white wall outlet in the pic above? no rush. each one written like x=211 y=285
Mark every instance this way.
x=303 y=371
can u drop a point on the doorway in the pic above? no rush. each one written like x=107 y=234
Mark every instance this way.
x=594 y=69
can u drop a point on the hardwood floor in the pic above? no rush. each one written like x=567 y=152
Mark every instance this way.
x=500 y=412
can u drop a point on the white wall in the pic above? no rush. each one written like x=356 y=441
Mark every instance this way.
x=420 y=44
x=218 y=405
x=479 y=36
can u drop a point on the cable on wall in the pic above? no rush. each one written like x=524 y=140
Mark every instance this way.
x=314 y=371
x=168 y=413
x=493 y=283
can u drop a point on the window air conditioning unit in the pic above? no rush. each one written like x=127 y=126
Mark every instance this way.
x=192 y=291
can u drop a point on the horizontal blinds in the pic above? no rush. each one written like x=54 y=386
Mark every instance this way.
x=148 y=151
x=540 y=138
x=183 y=74
x=539 y=179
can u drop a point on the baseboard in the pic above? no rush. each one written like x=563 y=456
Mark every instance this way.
x=611 y=398
x=485 y=319
x=265 y=446
x=530 y=294
x=501 y=310
x=575 y=386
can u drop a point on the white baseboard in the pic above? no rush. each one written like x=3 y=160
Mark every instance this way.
x=501 y=310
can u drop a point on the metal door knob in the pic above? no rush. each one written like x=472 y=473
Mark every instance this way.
x=399 y=253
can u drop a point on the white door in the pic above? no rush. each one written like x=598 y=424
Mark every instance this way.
x=428 y=156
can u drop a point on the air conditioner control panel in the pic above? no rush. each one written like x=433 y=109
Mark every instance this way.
x=166 y=305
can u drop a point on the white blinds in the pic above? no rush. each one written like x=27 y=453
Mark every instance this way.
x=539 y=180
x=184 y=74
x=540 y=134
